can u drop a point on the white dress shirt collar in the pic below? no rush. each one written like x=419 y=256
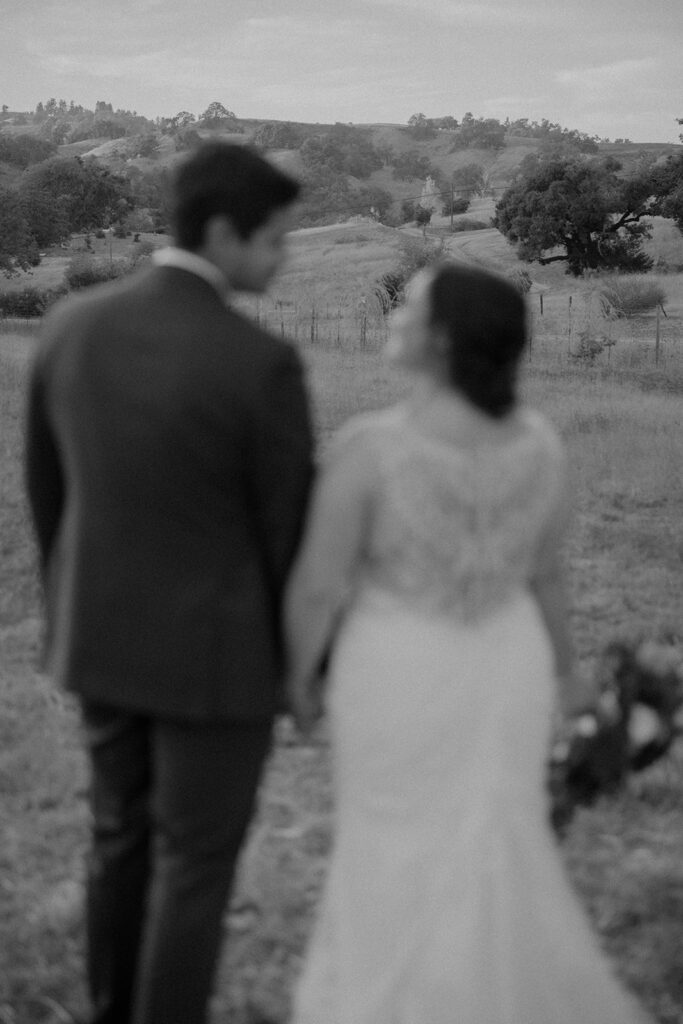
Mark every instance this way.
x=183 y=259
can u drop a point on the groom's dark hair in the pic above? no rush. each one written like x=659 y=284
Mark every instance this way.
x=234 y=181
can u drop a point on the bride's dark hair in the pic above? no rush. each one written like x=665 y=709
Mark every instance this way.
x=484 y=317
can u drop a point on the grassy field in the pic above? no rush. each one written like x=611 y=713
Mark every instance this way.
x=621 y=416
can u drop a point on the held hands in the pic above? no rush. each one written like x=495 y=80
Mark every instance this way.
x=305 y=698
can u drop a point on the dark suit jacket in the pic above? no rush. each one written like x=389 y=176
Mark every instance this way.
x=169 y=457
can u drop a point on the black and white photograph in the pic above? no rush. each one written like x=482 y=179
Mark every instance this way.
x=341 y=512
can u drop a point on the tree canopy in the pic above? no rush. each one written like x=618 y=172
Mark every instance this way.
x=18 y=249
x=669 y=185
x=60 y=122
x=413 y=164
x=341 y=150
x=480 y=133
x=586 y=209
x=87 y=193
x=552 y=134
x=278 y=135
x=468 y=180
x=565 y=204
x=23 y=149
x=216 y=116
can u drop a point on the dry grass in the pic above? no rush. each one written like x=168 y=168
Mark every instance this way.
x=622 y=421
x=42 y=774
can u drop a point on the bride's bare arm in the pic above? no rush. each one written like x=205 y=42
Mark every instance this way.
x=324 y=569
x=548 y=585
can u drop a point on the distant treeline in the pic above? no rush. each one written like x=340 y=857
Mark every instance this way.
x=48 y=195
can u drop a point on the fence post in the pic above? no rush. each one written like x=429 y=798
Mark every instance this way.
x=657 y=334
x=569 y=328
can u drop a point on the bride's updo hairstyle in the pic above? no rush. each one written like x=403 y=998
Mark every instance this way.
x=484 y=317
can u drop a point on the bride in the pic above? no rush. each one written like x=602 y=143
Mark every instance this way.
x=429 y=584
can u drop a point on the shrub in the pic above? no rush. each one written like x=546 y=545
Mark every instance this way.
x=411 y=164
x=407 y=211
x=415 y=255
x=422 y=216
x=84 y=271
x=470 y=224
x=145 y=248
x=521 y=279
x=358 y=239
x=137 y=221
x=27 y=303
x=589 y=345
x=141 y=254
x=389 y=290
x=457 y=204
x=624 y=296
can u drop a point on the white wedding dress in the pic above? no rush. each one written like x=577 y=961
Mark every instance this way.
x=446 y=900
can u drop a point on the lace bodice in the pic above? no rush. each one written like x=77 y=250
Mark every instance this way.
x=456 y=530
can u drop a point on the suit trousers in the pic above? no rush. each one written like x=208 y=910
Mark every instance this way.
x=171 y=802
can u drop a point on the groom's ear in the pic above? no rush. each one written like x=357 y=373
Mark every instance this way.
x=223 y=245
x=220 y=231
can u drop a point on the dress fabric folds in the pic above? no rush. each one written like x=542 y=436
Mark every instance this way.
x=446 y=900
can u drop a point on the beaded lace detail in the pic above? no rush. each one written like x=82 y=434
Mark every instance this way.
x=456 y=531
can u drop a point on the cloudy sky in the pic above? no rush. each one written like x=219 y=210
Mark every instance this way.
x=608 y=67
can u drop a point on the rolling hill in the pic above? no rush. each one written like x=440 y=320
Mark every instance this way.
x=436 y=147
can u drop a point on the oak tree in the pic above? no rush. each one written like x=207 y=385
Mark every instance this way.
x=581 y=211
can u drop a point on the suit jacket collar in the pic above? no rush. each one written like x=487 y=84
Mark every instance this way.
x=183 y=259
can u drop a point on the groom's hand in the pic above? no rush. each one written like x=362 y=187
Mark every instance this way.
x=306 y=704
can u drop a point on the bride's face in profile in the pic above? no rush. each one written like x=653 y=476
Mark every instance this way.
x=413 y=341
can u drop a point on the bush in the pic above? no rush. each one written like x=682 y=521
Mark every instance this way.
x=407 y=211
x=412 y=164
x=627 y=296
x=136 y=221
x=422 y=216
x=470 y=224
x=415 y=255
x=389 y=290
x=458 y=204
x=521 y=279
x=142 y=254
x=84 y=271
x=29 y=302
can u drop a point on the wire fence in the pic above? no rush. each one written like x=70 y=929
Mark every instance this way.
x=571 y=330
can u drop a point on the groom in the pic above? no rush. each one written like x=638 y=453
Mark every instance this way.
x=169 y=457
